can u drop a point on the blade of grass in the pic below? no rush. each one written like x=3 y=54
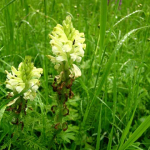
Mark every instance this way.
x=43 y=114
x=7 y=5
x=45 y=53
x=2 y=136
x=103 y=20
x=3 y=90
x=99 y=129
x=43 y=14
x=108 y=108
x=137 y=133
x=135 y=96
x=114 y=106
x=6 y=101
x=110 y=138
x=126 y=131
x=127 y=16
x=108 y=67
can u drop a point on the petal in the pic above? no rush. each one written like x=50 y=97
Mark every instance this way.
x=29 y=95
x=66 y=48
x=61 y=58
x=53 y=59
x=20 y=87
x=9 y=75
x=75 y=71
x=9 y=86
x=20 y=66
x=35 y=88
x=73 y=57
x=14 y=71
x=36 y=72
x=12 y=102
x=78 y=59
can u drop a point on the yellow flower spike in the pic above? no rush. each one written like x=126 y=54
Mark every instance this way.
x=25 y=78
x=67 y=47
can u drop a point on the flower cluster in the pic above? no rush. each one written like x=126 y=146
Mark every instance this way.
x=26 y=78
x=67 y=47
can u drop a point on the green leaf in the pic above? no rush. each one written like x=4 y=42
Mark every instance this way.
x=69 y=134
x=137 y=133
x=67 y=137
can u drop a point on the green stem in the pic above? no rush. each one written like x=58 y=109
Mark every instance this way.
x=63 y=93
x=59 y=115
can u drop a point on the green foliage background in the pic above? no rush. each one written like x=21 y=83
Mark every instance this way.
x=111 y=97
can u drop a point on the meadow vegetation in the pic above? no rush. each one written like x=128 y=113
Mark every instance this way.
x=110 y=109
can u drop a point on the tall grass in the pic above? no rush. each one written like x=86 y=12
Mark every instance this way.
x=111 y=106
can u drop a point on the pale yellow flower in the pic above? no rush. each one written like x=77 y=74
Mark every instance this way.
x=67 y=47
x=75 y=72
x=25 y=78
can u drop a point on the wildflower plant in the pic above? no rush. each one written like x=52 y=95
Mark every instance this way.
x=67 y=48
x=25 y=79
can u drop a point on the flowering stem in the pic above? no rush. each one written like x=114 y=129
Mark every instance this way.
x=67 y=47
x=59 y=116
x=19 y=111
x=64 y=92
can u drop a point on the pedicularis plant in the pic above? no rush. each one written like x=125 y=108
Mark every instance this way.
x=68 y=48
x=105 y=108
x=26 y=80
